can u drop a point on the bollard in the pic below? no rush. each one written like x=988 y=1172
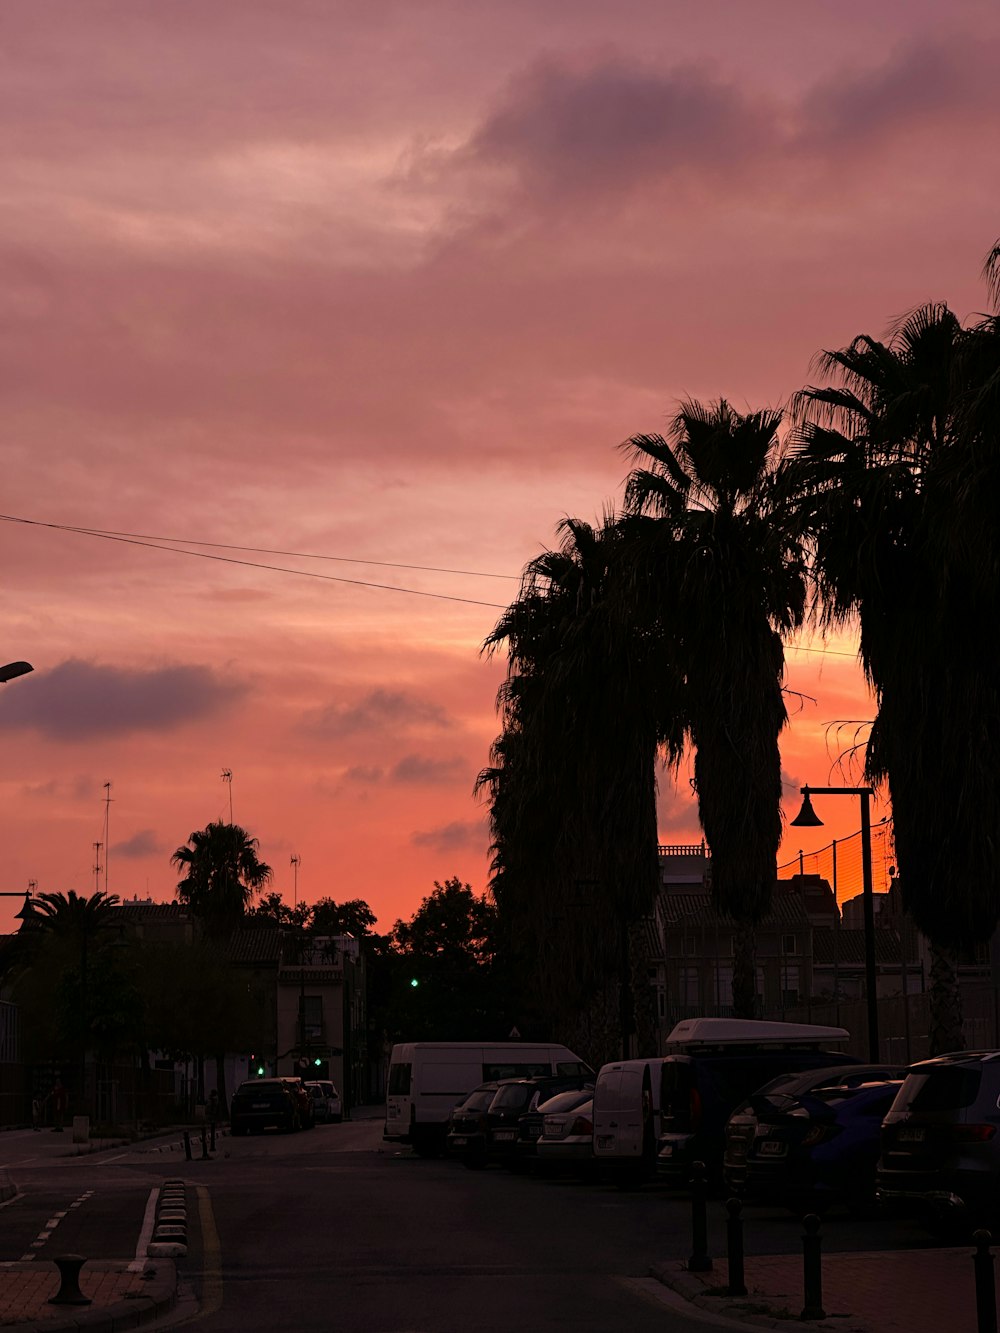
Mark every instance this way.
x=69 y=1292
x=211 y=1137
x=699 y=1261
x=986 y=1292
x=187 y=1144
x=734 y=1245
x=204 y=1146
x=812 y=1269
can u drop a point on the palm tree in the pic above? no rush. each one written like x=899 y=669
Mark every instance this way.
x=897 y=464
x=221 y=875
x=722 y=527
x=572 y=784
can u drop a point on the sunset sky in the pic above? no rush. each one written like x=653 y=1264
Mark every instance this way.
x=388 y=282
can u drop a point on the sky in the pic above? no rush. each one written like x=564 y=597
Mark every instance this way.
x=383 y=286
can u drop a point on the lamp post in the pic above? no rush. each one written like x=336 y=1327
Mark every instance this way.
x=808 y=818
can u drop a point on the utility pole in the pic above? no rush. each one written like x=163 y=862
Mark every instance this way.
x=107 y=822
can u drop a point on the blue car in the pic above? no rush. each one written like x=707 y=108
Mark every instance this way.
x=812 y=1141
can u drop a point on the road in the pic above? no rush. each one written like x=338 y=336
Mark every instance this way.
x=334 y=1228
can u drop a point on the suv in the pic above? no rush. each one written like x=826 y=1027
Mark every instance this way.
x=264 y=1103
x=941 y=1140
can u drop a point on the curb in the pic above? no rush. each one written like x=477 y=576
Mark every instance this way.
x=160 y=1300
x=759 y=1309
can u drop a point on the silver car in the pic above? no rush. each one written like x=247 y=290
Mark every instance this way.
x=567 y=1137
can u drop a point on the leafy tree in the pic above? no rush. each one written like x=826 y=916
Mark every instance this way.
x=724 y=566
x=898 y=463
x=353 y=917
x=222 y=873
x=447 y=950
x=274 y=908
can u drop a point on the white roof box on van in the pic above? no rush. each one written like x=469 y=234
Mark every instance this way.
x=750 y=1032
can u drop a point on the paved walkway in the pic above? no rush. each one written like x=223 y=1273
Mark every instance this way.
x=909 y=1291
x=122 y=1295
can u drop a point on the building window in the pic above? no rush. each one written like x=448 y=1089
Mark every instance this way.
x=310 y=1017
x=790 y=984
x=724 y=985
x=688 y=979
x=788 y=944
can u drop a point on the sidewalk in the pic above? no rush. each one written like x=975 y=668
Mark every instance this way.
x=123 y=1293
x=909 y=1291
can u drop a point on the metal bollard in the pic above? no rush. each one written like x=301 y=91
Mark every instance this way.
x=734 y=1246
x=986 y=1292
x=812 y=1269
x=699 y=1261
x=187 y=1144
x=69 y=1292
x=204 y=1146
x=211 y=1137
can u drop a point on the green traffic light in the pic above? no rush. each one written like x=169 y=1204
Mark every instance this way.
x=260 y=1071
x=414 y=981
x=317 y=1062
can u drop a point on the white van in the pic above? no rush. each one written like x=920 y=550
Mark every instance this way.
x=428 y=1078
x=638 y=1122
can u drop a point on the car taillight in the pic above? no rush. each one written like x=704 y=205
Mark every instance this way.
x=694 y=1109
x=973 y=1133
x=581 y=1125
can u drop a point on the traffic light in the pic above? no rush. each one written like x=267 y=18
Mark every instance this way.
x=414 y=982
x=317 y=1062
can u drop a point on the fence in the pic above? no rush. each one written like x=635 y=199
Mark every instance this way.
x=839 y=863
x=904 y=1022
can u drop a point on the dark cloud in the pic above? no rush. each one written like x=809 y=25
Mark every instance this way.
x=918 y=85
x=364 y=773
x=378 y=711
x=142 y=843
x=415 y=768
x=453 y=836
x=78 y=700
x=572 y=130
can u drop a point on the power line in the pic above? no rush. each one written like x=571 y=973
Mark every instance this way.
x=249 y=564
x=177 y=548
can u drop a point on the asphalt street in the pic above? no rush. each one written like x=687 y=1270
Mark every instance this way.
x=335 y=1228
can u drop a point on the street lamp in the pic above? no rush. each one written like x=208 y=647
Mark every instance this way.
x=808 y=818
x=13 y=670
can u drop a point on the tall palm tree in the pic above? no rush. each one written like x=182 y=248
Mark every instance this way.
x=897 y=463
x=572 y=782
x=731 y=541
x=222 y=873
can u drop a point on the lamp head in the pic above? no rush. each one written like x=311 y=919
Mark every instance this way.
x=807 y=816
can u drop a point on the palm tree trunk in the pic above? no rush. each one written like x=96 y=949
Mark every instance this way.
x=744 y=972
x=946 y=1004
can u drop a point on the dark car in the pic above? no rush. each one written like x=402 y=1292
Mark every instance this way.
x=811 y=1140
x=466 y=1132
x=264 y=1103
x=941 y=1141
x=700 y=1091
x=507 y=1140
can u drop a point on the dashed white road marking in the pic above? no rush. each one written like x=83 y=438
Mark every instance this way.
x=148 y=1223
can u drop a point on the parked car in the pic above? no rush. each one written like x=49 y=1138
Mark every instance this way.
x=264 y=1103
x=302 y=1100
x=941 y=1141
x=713 y=1067
x=811 y=1140
x=567 y=1137
x=508 y=1138
x=335 y=1107
x=466 y=1132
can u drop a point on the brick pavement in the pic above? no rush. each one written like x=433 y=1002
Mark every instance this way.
x=120 y=1297
x=893 y=1291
